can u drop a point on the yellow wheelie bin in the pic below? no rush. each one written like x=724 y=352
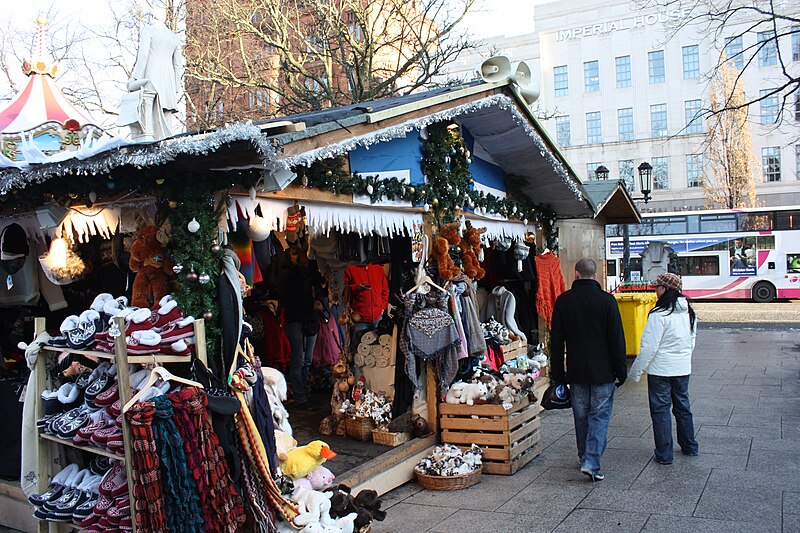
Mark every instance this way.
x=634 y=307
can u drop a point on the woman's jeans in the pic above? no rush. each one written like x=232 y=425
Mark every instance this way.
x=302 y=356
x=591 y=409
x=663 y=393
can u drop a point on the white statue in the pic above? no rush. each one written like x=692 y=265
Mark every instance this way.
x=152 y=100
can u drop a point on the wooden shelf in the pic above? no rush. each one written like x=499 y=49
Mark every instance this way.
x=90 y=449
x=93 y=353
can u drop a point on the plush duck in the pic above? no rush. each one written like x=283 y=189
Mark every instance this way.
x=303 y=460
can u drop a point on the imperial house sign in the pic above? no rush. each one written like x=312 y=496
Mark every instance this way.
x=630 y=23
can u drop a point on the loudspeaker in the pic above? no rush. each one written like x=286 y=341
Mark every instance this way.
x=277 y=179
x=530 y=92
x=528 y=89
x=495 y=69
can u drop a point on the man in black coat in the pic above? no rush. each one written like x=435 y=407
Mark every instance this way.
x=586 y=320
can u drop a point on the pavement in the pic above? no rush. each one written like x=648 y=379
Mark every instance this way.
x=745 y=392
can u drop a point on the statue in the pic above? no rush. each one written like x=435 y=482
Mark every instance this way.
x=152 y=99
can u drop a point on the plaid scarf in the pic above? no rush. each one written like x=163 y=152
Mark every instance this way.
x=182 y=501
x=221 y=506
x=147 y=490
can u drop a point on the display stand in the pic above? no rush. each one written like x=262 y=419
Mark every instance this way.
x=122 y=359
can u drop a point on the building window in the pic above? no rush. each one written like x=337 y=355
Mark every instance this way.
x=658 y=120
x=797 y=106
x=694 y=170
x=767 y=48
x=733 y=51
x=591 y=76
x=258 y=98
x=354 y=27
x=593 y=131
x=625 y=119
x=694 y=122
x=771 y=163
x=563 y=134
x=626 y=173
x=590 y=168
x=561 y=80
x=623 y=72
x=797 y=161
x=691 y=62
x=795 y=43
x=655 y=65
x=660 y=173
x=769 y=107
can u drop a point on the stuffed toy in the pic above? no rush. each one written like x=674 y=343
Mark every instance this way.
x=303 y=460
x=152 y=267
x=448 y=236
x=455 y=392
x=470 y=249
x=472 y=392
x=365 y=507
x=283 y=443
x=316 y=480
x=314 y=506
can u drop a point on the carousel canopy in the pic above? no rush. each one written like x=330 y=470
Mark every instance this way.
x=40 y=101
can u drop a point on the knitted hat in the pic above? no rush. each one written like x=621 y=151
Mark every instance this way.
x=669 y=281
x=13 y=242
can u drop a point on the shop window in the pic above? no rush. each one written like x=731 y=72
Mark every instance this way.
x=611 y=267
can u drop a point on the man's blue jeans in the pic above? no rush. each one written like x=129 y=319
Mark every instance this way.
x=591 y=409
x=663 y=393
x=302 y=356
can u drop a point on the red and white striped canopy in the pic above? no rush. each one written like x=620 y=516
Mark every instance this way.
x=39 y=102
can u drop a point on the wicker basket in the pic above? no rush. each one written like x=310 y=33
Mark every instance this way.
x=387 y=438
x=359 y=427
x=449 y=482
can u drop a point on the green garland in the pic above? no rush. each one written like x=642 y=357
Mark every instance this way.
x=448 y=187
x=194 y=254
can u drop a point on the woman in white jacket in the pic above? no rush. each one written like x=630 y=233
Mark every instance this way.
x=666 y=355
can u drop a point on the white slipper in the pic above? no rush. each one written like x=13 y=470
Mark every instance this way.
x=148 y=337
x=163 y=301
x=100 y=301
x=68 y=393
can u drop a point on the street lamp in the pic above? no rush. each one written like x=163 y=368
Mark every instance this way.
x=601 y=172
x=645 y=180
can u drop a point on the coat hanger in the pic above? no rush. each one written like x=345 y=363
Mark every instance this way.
x=422 y=281
x=159 y=373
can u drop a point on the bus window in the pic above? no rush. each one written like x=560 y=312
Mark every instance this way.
x=793 y=263
x=611 y=268
x=765 y=242
x=703 y=265
x=717 y=223
x=788 y=220
x=756 y=222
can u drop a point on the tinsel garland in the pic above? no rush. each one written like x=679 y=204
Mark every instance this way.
x=146 y=156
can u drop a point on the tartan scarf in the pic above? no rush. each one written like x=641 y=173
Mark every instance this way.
x=221 y=506
x=181 y=500
x=147 y=490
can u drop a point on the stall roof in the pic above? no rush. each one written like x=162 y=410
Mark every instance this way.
x=612 y=202
x=494 y=113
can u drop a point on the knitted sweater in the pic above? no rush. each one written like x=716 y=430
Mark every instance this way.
x=550 y=285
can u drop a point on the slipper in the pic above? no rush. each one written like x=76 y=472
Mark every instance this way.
x=52 y=405
x=164 y=299
x=69 y=395
x=100 y=301
x=115 y=482
x=97 y=421
x=177 y=330
x=57 y=485
x=108 y=396
x=143 y=342
x=162 y=387
x=100 y=465
x=165 y=314
x=71 y=422
x=83 y=493
x=115 y=409
x=141 y=319
x=69 y=323
x=68 y=494
x=98 y=386
x=180 y=347
x=83 y=335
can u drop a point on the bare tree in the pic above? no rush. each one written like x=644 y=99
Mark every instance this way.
x=773 y=21
x=263 y=58
x=731 y=183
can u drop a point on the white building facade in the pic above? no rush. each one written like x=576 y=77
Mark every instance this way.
x=621 y=85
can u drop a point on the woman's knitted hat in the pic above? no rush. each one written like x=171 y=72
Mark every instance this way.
x=669 y=281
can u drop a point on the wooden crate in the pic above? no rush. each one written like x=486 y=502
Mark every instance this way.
x=514 y=349
x=509 y=439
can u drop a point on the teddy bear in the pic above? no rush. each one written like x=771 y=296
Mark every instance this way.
x=470 y=249
x=314 y=506
x=320 y=478
x=454 y=394
x=152 y=267
x=474 y=391
x=448 y=236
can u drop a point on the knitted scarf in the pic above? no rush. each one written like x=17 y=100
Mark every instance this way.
x=221 y=506
x=260 y=511
x=550 y=285
x=147 y=490
x=181 y=498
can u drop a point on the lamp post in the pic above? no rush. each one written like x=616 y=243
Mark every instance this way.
x=601 y=172
x=646 y=186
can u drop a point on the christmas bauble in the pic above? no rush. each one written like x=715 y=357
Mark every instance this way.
x=172 y=203
x=191 y=276
x=177 y=269
x=203 y=278
x=370 y=189
x=208 y=315
x=193 y=226
x=216 y=248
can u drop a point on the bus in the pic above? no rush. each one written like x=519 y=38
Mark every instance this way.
x=749 y=253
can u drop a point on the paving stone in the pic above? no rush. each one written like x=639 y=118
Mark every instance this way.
x=659 y=523
x=558 y=475
x=488 y=495
x=791 y=523
x=791 y=502
x=683 y=477
x=755 y=420
x=741 y=480
x=760 y=506
x=739 y=431
x=642 y=501
x=775 y=461
x=775 y=444
x=631 y=443
x=481 y=522
x=399 y=494
x=711 y=460
x=547 y=501
x=404 y=518
x=602 y=521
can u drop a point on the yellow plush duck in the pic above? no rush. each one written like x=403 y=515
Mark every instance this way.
x=303 y=460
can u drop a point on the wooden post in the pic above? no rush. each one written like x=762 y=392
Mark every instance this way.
x=42 y=452
x=124 y=380
x=200 y=341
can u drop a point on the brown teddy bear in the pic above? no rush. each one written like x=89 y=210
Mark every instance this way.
x=149 y=261
x=448 y=236
x=470 y=247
